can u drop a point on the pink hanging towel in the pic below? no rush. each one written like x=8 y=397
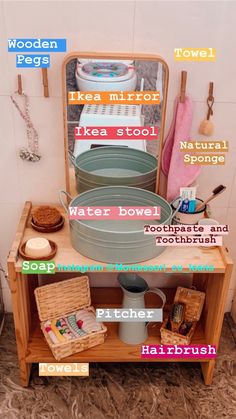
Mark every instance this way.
x=178 y=173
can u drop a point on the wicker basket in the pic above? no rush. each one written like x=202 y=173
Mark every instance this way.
x=193 y=301
x=65 y=298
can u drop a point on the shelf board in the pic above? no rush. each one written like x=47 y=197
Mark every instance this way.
x=112 y=350
x=183 y=256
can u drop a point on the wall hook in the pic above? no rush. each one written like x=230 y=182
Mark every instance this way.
x=19 y=79
x=206 y=126
x=183 y=86
x=45 y=82
x=210 y=100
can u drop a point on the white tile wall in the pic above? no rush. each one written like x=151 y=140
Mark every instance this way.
x=9 y=179
x=141 y=26
x=162 y=26
x=9 y=215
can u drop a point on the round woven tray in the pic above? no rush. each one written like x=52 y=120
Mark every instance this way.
x=51 y=229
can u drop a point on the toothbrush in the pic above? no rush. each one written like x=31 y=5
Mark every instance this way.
x=218 y=190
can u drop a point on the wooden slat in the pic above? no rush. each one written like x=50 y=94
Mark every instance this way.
x=21 y=321
x=213 y=314
x=184 y=256
x=20 y=232
x=216 y=293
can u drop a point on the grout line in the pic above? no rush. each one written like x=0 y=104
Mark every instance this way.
x=168 y=100
x=204 y=102
x=33 y=96
x=134 y=16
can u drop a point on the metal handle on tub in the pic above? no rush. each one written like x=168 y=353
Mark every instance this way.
x=177 y=209
x=61 y=199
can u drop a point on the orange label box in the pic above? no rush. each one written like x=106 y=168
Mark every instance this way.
x=148 y=97
x=195 y=54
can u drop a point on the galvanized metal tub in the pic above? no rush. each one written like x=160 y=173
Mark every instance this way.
x=114 y=165
x=115 y=241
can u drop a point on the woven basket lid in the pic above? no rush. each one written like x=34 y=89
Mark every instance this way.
x=61 y=298
x=193 y=301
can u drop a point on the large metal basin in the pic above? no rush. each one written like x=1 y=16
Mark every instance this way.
x=117 y=240
x=113 y=165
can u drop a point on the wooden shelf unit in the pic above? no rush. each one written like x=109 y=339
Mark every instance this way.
x=31 y=345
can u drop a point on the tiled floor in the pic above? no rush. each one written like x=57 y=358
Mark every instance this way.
x=126 y=391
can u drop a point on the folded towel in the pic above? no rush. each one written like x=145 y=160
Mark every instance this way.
x=56 y=332
x=89 y=321
x=63 y=329
x=71 y=321
x=178 y=173
x=51 y=334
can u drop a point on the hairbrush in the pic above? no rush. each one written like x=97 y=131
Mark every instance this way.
x=176 y=316
x=218 y=190
x=185 y=328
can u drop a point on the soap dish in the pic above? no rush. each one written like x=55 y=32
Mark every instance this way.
x=48 y=257
x=51 y=229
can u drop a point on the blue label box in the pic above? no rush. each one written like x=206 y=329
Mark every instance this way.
x=33 y=61
x=36 y=45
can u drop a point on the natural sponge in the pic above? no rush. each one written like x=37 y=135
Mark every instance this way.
x=46 y=216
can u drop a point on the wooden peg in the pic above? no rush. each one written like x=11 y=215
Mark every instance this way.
x=211 y=87
x=183 y=86
x=210 y=100
x=19 y=84
x=206 y=126
x=45 y=82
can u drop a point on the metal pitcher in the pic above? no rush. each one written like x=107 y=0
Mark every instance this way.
x=134 y=288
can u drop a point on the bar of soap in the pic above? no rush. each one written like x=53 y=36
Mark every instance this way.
x=37 y=247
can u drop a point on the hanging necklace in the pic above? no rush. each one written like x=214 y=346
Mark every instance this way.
x=30 y=153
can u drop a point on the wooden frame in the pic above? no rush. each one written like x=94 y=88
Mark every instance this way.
x=233 y=310
x=121 y=56
x=31 y=345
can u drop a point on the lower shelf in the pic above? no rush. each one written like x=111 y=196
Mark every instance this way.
x=112 y=350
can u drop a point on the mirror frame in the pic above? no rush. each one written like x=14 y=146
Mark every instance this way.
x=120 y=56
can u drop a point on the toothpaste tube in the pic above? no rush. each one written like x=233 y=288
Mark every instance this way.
x=188 y=197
